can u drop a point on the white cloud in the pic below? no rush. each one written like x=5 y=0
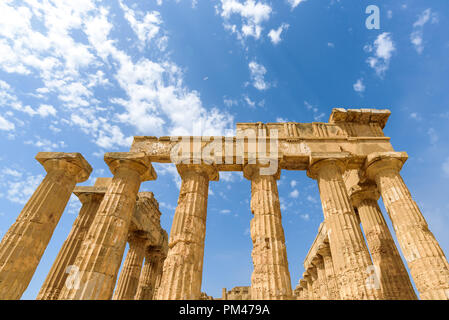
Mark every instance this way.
x=382 y=49
x=251 y=103
x=12 y=172
x=311 y=199
x=225 y=211
x=305 y=217
x=20 y=191
x=147 y=28
x=252 y=13
x=416 y=37
x=275 y=34
x=257 y=73
x=445 y=167
x=295 y=3
x=359 y=86
x=6 y=125
x=153 y=98
x=294 y=194
x=293 y=183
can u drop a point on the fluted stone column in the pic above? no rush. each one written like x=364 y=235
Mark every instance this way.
x=303 y=284
x=183 y=267
x=26 y=240
x=349 y=252
x=101 y=253
x=312 y=271
x=271 y=277
x=151 y=274
x=393 y=277
x=323 y=290
x=306 y=276
x=333 y=290
x=426 y=261
x=90 y=198
x=132 y=266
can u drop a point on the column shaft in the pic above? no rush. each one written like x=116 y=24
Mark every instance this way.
x=151 y=275
x=26 y=240
x=333 y=290
x=60 y=269
x=426 y=260
x=98 y=262
x=349 y=252
x=129 y=276
x=271 y=277
x=393 y=276
x=183 y=267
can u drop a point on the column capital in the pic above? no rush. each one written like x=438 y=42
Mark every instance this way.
x=320 y=160
x=137 y=161
x=363 y=191
x=378 y=161
x=73 y=163
x=316 y=260
x=252 y=171
x=306 y=276
x=311 y=270
x=209 y=170
x=324 y=250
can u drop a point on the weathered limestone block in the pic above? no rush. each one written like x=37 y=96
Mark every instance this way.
x=427 y=262
x=129 y=276
x=183 y=267
x=150 y=279
x=332 y=286
x=90 y=198
x=393 y=277
x=350 y=254
x=101 y=253
x=271 y=277
x=26 y=240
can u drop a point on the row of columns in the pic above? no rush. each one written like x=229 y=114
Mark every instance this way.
x=100 y=253
x=353 y=266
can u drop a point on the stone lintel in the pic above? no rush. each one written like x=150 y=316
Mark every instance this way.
x=362 y=116
x=138 y=160
x=73 y=158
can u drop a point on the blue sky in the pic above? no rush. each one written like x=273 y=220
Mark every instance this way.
x=85 y=76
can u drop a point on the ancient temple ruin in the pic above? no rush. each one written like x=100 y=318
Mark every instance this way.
x=351 y=159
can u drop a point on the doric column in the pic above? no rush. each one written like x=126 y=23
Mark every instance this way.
x=349 y=252
x=297 y=293
x=304 y=293
x=26 y=240
x=318 y=262
x=270 y=278
x=312 y=271
x=183 y=267
x=426 y=261
x=151 y=274
x=393 y=277
x=90 y=198
x=306 y=276
x=325 y=252
x=132 y=266
x=97 y=264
